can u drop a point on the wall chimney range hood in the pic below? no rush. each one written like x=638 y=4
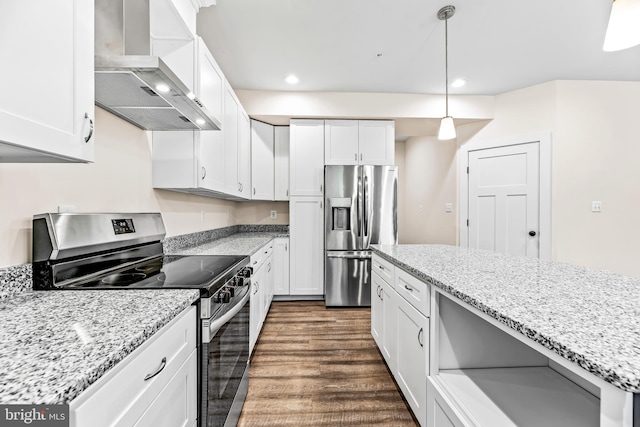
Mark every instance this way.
x=132 y=83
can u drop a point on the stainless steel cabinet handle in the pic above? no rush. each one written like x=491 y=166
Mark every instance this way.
x=239 y=187
x=285 y=247
x=254 y=191
x=378 y=291
x=204 y=172
x=321 y=188
x=419 y=341
x=88 y=137
x=360 y=156
x=356 y=158
x=409 y=288
x=163 y=363
x=269 y=270
x=287 y=192
x=257 y=285
x=381 y=267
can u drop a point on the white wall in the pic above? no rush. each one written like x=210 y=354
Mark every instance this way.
x=119 y=180
x=595 y=147
x=428 y=183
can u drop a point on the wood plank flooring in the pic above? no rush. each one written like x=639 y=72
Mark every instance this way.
x=314 y=366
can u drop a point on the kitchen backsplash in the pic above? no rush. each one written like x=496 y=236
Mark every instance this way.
x=17 y=279
x=170 y=244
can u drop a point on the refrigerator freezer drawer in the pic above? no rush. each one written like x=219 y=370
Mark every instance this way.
x=348 y=279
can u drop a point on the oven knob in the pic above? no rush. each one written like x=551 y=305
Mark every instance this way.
x=239 y=281
x=246 y=272
x=232 y=290
x=226 y=297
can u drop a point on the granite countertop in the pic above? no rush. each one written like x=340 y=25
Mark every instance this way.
x=54 y=344
x=236 y=244
x=590 y=317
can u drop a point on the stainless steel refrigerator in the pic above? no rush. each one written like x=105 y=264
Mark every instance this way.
x=360 y=210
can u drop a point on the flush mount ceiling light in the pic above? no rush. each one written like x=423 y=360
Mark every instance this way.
x=447 y=128
x=162 y=88
x=623 y=30
x=291 y=79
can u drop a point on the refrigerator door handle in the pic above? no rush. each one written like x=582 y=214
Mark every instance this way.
x=365 y=213
x=358 y=208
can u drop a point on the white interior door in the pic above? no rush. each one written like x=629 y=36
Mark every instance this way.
x=504 y=199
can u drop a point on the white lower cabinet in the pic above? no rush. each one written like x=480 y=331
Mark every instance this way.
x=281 y=266
x=401 y=331
x=306 y=217
x=412 y=332
x=261 y=290
x=161 y=373
x=440 y=410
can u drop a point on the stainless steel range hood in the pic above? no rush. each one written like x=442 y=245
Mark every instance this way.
x=134 y=85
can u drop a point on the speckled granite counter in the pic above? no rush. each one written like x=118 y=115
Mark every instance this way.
x=589 y=317
x=236 y=244
x=53 y=345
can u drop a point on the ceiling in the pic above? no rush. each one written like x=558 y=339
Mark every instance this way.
x=398 y=45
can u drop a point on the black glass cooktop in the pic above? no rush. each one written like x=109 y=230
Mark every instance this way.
x=205 y=272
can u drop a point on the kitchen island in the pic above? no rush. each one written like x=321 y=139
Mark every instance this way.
x=493 y=316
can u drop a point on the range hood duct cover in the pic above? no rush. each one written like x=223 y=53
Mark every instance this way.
x=126 y=74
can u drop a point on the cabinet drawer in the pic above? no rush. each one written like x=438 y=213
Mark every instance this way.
x=122 y=395
x=261 y=255
x=384 y=268
x=413 y=290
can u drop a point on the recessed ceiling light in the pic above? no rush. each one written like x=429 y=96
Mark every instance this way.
x=291 y=79
x=458 y=83
x=162 y=88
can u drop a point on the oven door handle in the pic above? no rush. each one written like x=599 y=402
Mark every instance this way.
x=218 y=323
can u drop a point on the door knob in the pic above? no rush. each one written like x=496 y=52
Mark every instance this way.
x=532 y=233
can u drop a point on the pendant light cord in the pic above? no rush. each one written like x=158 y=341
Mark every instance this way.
x=446 y=66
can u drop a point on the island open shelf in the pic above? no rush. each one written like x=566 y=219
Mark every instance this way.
x=483 y=376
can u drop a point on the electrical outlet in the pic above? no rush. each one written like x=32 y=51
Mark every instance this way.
x=66 y=208
x=274 y=214
x=596 y=206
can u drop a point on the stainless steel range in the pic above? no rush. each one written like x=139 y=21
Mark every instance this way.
x=73 y=251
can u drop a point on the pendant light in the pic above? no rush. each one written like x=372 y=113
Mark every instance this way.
x=447 y=128
x=623 y=30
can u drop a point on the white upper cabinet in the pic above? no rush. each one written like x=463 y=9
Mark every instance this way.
x=47 y=102
x=244 y=153
x=281 y=163
x=262 y=160
x=341 y=142
x=307 y=157
x=209 y=82
x=359 y=142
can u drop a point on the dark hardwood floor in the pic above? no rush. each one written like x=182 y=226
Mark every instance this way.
x=314 y=366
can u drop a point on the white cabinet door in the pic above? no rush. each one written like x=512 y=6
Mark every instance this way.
x=376 y=142
x=244 y=153
x=341 y=142
x=389 y=340
x=209 y=82
x=177 y=404
x=188 y=161
x=412 y=330
x=211 y=160
x=307 y=157
x=256 y=309
x=262 y=160
x=281 y=163
x=281 y=266
x=231 y=136
x=377 y=321
x=307 y=245
x=47 y=116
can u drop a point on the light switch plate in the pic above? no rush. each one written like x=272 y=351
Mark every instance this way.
x=274 y=214
x=448 y=207
x=596 y=206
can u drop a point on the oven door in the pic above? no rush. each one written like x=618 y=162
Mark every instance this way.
x=225 y=366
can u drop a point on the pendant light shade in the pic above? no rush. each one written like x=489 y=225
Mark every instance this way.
x=447 y=127
x=623 y=30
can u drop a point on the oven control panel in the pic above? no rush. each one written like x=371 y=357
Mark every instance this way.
x=123 y=226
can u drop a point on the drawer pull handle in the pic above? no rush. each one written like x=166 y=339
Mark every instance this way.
x=420 y=341
x=160 y=369
x=381 y=267
x=409 y=288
